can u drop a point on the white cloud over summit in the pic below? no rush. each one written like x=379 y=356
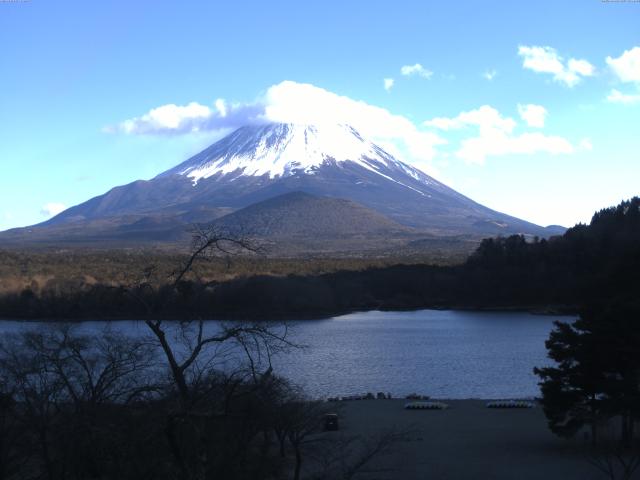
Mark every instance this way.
x=307 y=104
x=547 y=60
x=292 y=102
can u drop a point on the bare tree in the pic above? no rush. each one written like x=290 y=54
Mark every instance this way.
x=348 y=457
x=38 y=391
x=108 y=367
x=195 y=347
x=303 y=423
x=63 y=386
x=321 y=455
x=616 y=463
x=618 y=460
x=11 y=460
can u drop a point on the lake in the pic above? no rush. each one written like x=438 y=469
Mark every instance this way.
x=441 y=353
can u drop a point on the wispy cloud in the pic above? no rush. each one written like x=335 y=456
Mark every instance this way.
x=417 y=69
x=616 y=96
x=168 y=117
x=388 y=84
x=585 y=144
x=626 y=68
x=52 y=209
x=485 y=117
x=191 y=118
x=490 y=75
x=533 y=115
x=547 y=60
x=495 y=136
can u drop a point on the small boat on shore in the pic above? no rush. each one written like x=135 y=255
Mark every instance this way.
x=510 y=404
x=425 y=406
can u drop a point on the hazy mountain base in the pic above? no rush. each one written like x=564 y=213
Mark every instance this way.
x=293 y=224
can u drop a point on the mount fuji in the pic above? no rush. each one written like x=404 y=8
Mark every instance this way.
x=281 y=181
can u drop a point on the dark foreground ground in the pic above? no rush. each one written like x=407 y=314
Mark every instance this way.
x=468 y=441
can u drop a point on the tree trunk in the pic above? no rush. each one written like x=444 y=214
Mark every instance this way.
x=282 y=438
x=176 y=371
x=266 y=443
x=203 y=457
x=296 y=475
x=174 y=447
x=626 y=440
x=2 y=457
x=44 y=444
x=594 y=421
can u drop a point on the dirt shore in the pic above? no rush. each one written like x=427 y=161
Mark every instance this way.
x=468 y=441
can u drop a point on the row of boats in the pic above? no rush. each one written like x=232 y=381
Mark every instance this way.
x=420 y=405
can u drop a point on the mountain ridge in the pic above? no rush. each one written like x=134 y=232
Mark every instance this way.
x=256 y=163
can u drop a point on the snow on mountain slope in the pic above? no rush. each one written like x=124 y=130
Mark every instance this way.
x=280 y=150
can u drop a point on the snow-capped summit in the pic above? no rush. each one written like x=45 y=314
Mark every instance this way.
x=284 y=149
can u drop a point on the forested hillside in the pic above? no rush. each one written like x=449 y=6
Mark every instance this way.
x=589 y=263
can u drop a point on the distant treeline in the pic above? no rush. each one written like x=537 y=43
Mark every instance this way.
x=599 y=261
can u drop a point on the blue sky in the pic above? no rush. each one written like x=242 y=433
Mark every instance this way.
x=531 y=108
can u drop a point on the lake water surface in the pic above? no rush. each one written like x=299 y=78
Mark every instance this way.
x=441 y=353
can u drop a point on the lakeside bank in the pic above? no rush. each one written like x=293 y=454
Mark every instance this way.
x=467 y=441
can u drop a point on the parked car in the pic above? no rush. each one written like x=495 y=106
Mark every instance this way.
x=331 y=422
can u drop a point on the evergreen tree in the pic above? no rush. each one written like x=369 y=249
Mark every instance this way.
x=597 y=376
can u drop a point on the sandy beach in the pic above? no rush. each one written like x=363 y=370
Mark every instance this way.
x=467 y=441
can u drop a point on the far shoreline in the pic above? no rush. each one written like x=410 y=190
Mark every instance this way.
x=548 y=310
